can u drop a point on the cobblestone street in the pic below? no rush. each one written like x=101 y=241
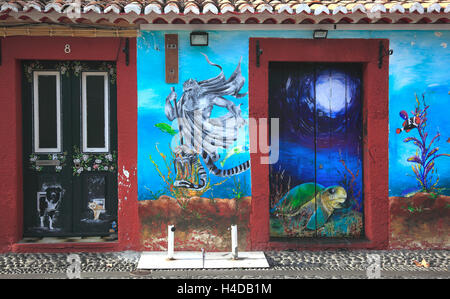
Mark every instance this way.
x=283 y=265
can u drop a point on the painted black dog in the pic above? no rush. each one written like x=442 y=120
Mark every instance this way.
x=48 y=205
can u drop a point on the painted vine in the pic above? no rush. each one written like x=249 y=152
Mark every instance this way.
x=83 y=162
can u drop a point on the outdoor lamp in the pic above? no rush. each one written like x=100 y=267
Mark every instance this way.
x=320 y=34
x=199 y=38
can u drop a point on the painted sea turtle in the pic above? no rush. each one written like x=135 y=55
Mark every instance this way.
x=303 y=199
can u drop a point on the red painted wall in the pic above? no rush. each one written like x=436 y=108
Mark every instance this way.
x=14 y=49
x=375 y=114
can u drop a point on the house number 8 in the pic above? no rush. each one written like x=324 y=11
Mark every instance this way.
x=67 y=49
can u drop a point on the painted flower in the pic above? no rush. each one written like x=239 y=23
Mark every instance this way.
x=77 y=69
x=58 y=168
x=33 y=158
x=79 y=170
x=54 y=157
x=88 y=168
x=95 y=166
x=111 y=168
x=85 y=157
x=109 y=157
x=76 y=161
x=98 y=161
x=105 y=168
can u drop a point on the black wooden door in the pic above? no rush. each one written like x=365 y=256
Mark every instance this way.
x=70 y=148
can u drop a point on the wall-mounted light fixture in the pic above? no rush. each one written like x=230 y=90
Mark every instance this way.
x=320 y=34
x=199 y=38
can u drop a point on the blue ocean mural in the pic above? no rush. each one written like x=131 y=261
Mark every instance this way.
x=414 y=69
x=418 y=67
x=196 y=64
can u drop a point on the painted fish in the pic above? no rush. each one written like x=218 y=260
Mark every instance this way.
x=234 y=151
x=166 y=128
x=303 y=199
x=409 y=123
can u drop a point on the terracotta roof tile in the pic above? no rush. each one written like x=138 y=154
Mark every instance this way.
x=123 y=6
x=148 y=10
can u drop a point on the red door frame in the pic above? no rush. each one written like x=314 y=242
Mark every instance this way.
x=375 y=124
x=15 y=49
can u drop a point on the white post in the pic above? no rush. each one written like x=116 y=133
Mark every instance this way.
x=203 y=257
x=170 y=241
x=234 y=242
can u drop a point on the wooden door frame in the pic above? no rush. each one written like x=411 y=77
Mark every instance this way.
x=375 y=132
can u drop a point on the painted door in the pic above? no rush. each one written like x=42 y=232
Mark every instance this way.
x=69 y=146
x=316 y=186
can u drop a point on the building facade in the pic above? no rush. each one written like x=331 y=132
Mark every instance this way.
x=309 y=125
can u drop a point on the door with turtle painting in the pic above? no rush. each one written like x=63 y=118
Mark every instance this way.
x=69 y=146
x=316 y=187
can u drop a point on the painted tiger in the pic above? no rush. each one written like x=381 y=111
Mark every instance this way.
x=224 y=172
x=190 y=165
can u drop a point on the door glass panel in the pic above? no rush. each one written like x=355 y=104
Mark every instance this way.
x=95 y=112
x=47 y=116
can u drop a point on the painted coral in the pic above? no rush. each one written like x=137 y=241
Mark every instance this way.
x=424 y=160
x=179 y=193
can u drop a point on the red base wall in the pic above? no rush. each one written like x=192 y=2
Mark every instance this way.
x=15 y=49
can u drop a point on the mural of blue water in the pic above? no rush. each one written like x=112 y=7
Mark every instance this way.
x=296 y=160
x=156 y=142
x=414 y=69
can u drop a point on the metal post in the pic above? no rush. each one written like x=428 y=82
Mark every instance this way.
x=170 y=241
x=234 y=242
x=203 y=257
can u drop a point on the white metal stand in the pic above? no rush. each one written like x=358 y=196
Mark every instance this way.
x=170 y=241
x=234 y=242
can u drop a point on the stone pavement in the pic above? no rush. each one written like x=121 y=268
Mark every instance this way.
x=283 y=265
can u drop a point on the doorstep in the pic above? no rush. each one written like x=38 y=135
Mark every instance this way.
x=157 y=260
x=52 y=240
x=66 y=244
